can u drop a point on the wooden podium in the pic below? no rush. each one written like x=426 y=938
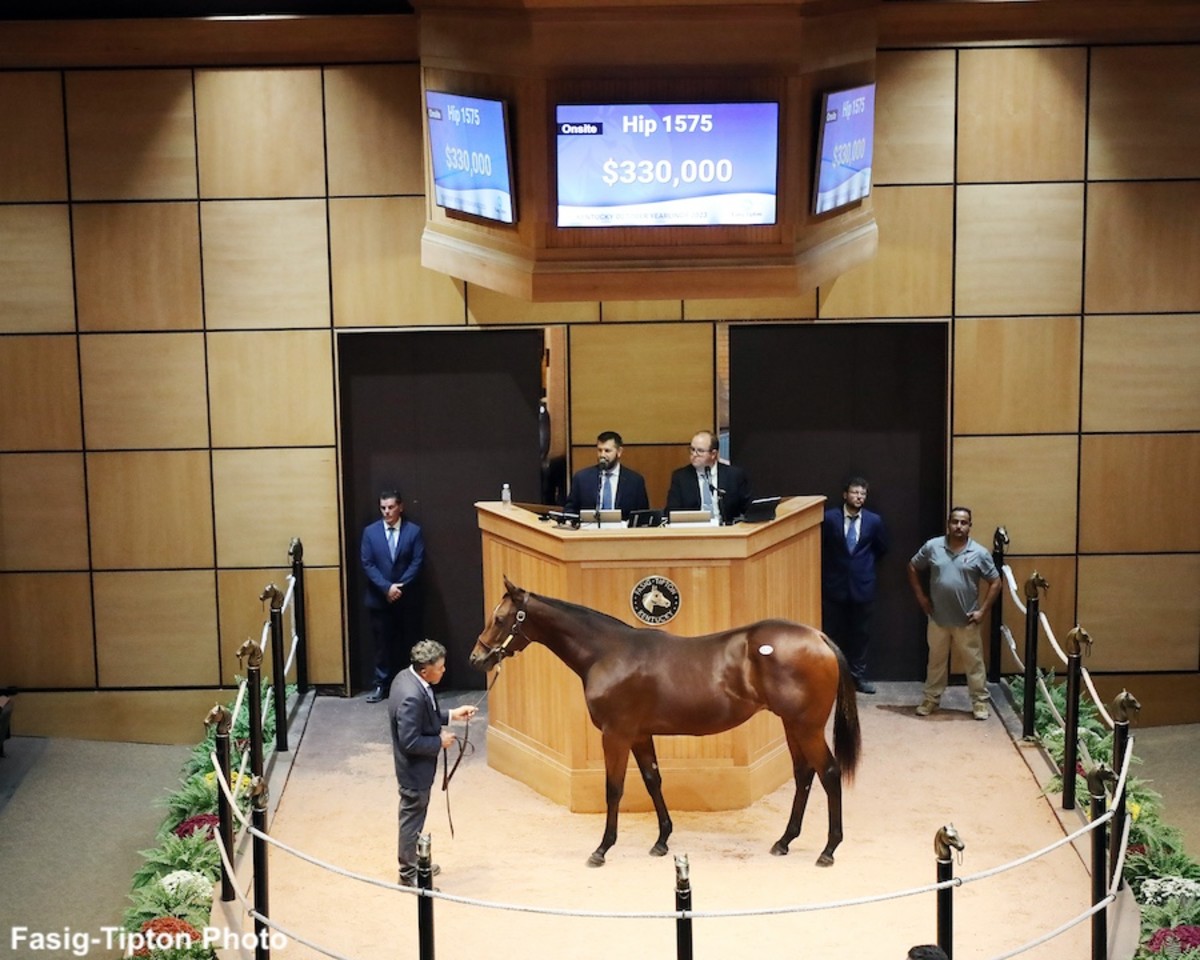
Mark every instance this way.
x=539 y=731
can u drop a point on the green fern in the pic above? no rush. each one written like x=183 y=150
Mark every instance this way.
x=155 y=900
x=196 y=852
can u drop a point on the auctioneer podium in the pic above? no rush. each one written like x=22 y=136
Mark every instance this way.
x=539 y=731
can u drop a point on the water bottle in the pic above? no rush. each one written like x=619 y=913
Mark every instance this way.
x=506 y=495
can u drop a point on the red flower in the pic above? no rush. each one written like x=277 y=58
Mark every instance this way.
x=1186 y=935
x=208 y=822
x=166 y=927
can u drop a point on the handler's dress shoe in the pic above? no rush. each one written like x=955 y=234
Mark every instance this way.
x=376 y=695
x=864 y=686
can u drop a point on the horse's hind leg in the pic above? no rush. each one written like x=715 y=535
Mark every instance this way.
x=831 y=780
x=647 y=761
x=803 y=773
x=616 y=758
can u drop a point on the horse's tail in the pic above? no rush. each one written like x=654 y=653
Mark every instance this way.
x=847 y=734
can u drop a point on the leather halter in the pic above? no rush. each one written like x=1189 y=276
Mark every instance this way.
x=501 y=651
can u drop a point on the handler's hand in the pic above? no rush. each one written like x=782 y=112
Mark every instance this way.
x=447 y=738
x=463 y=713
x=974 y=616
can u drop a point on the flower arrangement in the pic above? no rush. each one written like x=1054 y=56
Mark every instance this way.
x=1164 y=879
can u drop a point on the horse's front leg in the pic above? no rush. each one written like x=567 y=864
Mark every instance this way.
x=616 y=758
x=647 y=761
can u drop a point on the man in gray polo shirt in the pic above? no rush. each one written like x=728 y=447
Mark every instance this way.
x=956 y=564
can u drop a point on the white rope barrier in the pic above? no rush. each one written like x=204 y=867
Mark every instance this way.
x=1119 y=873
x=1045 y=622
x=1057 y=931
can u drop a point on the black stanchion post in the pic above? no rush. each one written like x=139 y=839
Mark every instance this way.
x=258 y=817
x=252 y=653
x=944 y=841
x=1075 y=641
x=1096 y=778
x=999 y=542
x=1125 y=704
x=278 y=681
x=296 y=552
x=683 y=902
x=223 y=720
x=1032 y=603
x=424 y=902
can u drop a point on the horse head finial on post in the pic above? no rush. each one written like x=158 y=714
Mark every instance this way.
x=1125 y=704
x=271 y=592
x=999 y=540
x=945 y=840
x=221 y=718
x=296 y=549
x=251 y=652
x=1035 y=583
x=1079 y=641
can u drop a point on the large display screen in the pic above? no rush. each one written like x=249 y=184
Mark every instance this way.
x=845 y=147
x=666 y=164
x=469 y=150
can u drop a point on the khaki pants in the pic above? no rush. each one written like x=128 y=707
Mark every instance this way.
x=968 y=641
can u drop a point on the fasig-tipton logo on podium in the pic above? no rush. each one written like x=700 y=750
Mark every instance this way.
x=655 y=600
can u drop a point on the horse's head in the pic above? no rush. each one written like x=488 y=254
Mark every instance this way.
x=503 y=634
x=945 y=840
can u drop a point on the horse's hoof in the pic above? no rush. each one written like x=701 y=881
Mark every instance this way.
x=596 y=859
x=779 y=850
x=658 y=850
x=825 y=860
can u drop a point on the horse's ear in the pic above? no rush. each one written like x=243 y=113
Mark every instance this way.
x=509 y=587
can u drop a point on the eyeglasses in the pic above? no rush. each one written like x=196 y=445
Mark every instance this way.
x=697 y=450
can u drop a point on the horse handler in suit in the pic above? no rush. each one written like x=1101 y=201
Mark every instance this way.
x=852 y=541
x=418 y=737
x=393 y=552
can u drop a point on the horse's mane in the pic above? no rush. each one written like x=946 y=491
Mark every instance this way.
x=581 y=611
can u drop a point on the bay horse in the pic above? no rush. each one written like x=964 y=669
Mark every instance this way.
x=640 y=682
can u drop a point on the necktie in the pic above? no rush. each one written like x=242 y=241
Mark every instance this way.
x=391 y=537
x=606 y=499
x=705 y=493
x=852 y=534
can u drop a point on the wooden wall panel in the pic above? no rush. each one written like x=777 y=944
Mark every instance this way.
x=912 y=273
x=43 y=523
x=378 y=281
x=486 y=307
x=36 y=293
x=1016 y=375
x=271 y=388
x=1026 y=484
x=263 y=498
x=801 y=307
x=374 y=129
x=1119 y=511
x=144 y=391
x=266 y=264
x=1141 y=373
x=1142 y=245
x=1019 y=249
x=243 y=615
x=1144 y=108
x=259 y=133
x=1166 y=698
x=650 y=388
x=914 y=116
x=39 y=394
x=51 y=614
x=1143 y=612
x=141 y=716
x=131 y=134
x=32 y=159
x=137 y=266
x=1021 y=114
x=156 y=629
x=641 y=311
x=150 y=510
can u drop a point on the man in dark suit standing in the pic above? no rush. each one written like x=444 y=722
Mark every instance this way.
x=608 y=485
x=852 y=540
x=416 y=723
x=393 y=551
x=708 y=484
